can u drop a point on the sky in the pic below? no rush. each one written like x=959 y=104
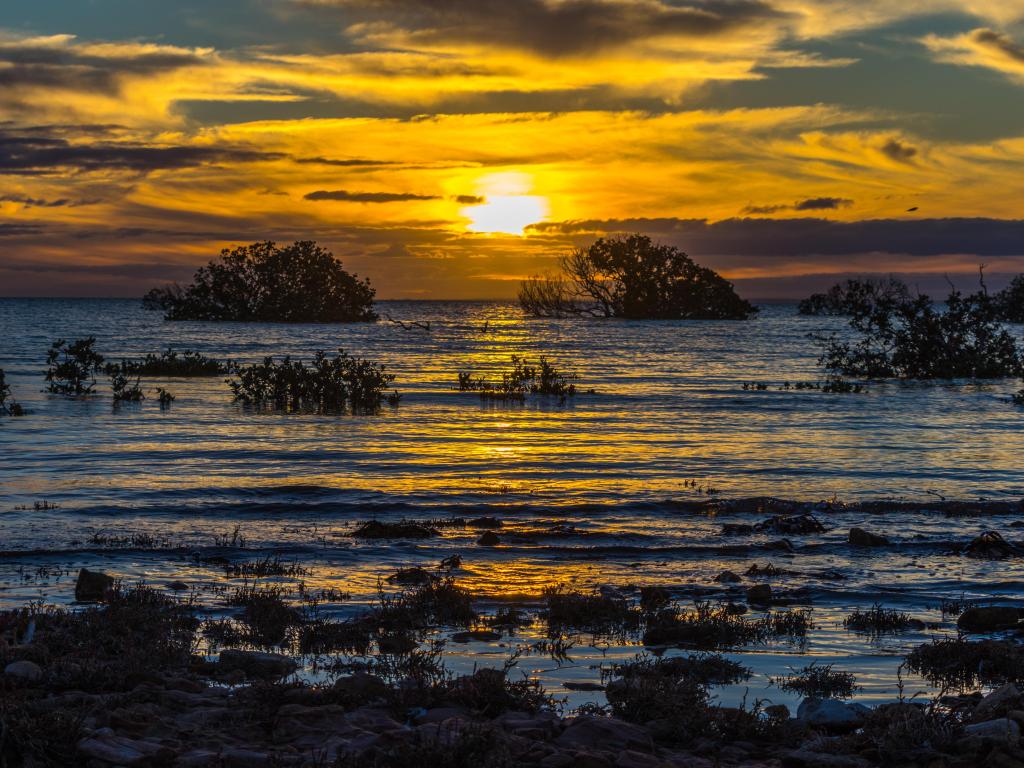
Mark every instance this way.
x=449 y=148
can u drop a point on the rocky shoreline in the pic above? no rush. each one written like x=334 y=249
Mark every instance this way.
x=120 y=682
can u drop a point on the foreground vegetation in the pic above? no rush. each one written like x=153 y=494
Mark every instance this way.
x=632 y=277
x=327 y=384
x=8 y=405
x=911 y=338
x=171 y=363
x=521 y=379
x=299 y=283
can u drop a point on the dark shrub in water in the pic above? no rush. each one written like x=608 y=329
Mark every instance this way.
x=844 y=298
x=72 y=367
x=910 y=338
x=327 y=384
x=522 y=379
x=8 y=405
x=1010 y=301
x=122 y=386
x=172 y=363
x=301 y=283
x=632 y=277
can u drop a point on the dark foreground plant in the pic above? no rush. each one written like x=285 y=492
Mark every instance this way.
x=1010 y=301
x=72 y=367
x=300 y=283
x=8 y=405
x=911 y=338
x=522 y=379
x=707 y=626
x=632 y=277
x=964 y=664
x=328 y=384
x=877 y=620
x=172 y=363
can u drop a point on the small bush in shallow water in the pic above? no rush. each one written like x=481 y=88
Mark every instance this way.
x=72 y=367
x=172 y=363
x=965 y=664
x=877 y=620
x=707 y=626
x=522 y=379
x=326 y=385
x=8 y=405
x=123 y=388
x=574 y=610
x=819 y=681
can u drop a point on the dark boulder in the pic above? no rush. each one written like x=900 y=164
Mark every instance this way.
x=861 y=538
x=93 y=586
x=989 y=618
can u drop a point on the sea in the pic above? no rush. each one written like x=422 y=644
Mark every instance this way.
x=619 y=487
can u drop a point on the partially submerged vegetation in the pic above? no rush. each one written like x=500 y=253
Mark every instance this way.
x=965 y=664
x=832 y=385
x=299 y=283
x=819 y=681
x=877 y=620
x=707 y=626
x=72 y=367
x=171 y=363
x=123 y=388
x=8 y=405
x=521 y=379
x=910 y=338
x=846 y=297
x=326 y=385
x=632 y=277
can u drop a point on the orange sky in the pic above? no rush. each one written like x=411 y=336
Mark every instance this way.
x=449 y=148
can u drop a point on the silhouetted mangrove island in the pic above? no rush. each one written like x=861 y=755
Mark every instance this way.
x=328 y=384
x=301 y=283
x=1010 y=301
x=634 y=278
x=843 y=298
x=908 y=337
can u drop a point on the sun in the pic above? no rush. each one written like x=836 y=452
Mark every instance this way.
x=506 y=208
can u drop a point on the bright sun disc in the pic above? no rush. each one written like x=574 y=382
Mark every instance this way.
x=508 y=214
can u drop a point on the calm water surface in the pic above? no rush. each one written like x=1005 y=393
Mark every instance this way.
x=585 y=488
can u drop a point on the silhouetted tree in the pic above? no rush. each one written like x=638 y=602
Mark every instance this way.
x=1010 y=301
x=632 y=277
x=8 y=405
x=911 y=338
x=301 y=283
x=72 y=367
x=844 y=298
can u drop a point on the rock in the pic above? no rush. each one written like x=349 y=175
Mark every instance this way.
x=832 y=714
x=759 y=594
x=583 y=686
x=777 y=711
x=791 y=524
x=361 y=687
x=1003 y=730
x=484 y=522
x=861 y=538
x=735 y=609
x=107 y=746
x=736 y=529
x=480 y=635
x=266 y=666
x=591 y=731
x=805 y=758
x=28 y=671
x=989 y=618
x=489 y=539
x=783 y=545
x=728 y=577
x=1000 y=701
x=178 y=586
x=990 y=545
x=92 y=586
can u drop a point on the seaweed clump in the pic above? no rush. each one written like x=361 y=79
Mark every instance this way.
x=328 y=384
x=877 y=620
x=707 y=626
x=595 y=613
x=522 y=379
